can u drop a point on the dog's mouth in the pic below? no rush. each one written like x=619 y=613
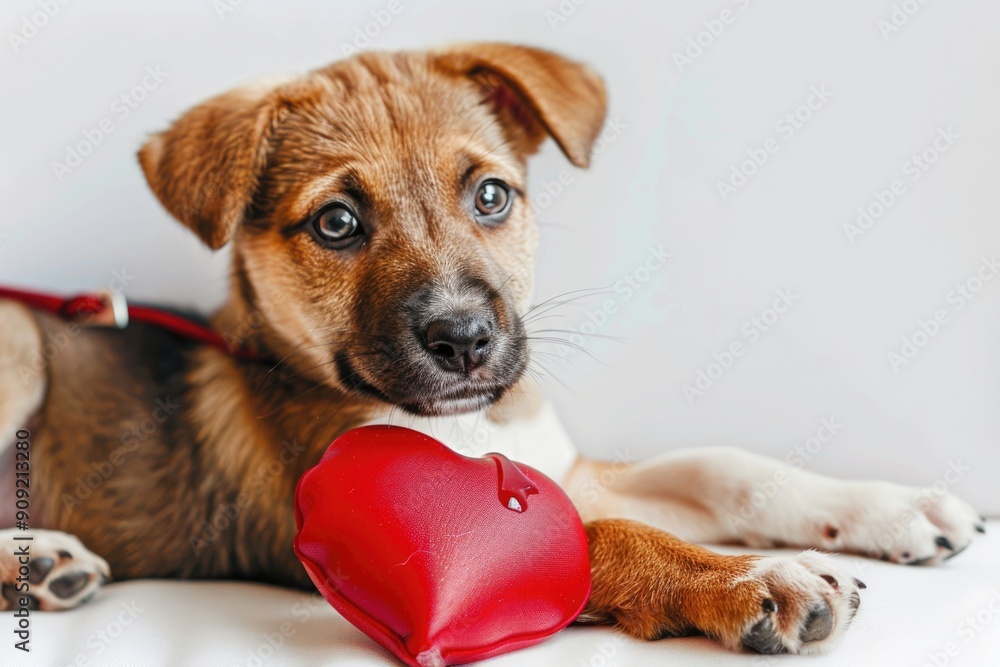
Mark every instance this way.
x=429 y=395
x=447 y=346
x=457 y=405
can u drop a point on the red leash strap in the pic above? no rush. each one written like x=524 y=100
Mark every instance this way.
x=109 y=309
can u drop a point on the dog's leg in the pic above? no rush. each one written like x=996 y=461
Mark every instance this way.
x=726 y=495
x=60 y=573
x=652 y=585
x=22 y=372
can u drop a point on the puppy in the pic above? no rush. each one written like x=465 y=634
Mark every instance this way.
x=382 y=250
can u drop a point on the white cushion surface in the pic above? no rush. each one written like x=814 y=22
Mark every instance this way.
x=908 y=616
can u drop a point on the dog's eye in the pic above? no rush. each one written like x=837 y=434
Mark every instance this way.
x=336 y=226
x=492 y=201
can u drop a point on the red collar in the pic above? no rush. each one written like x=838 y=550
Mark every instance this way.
x=109 y=309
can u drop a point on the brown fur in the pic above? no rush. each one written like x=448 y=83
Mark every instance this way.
x=652 y=584
x=248 y=166
x=207 y=491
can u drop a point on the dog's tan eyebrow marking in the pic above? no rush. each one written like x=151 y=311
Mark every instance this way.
x=469 y=171
x=474 y=163
x=343 y=185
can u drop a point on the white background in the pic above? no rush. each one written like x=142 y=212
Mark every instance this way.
x=654 y=184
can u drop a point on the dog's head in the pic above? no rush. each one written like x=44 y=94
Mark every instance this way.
x=377 y=207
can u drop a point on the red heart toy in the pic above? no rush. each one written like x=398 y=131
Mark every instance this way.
x=440 y=558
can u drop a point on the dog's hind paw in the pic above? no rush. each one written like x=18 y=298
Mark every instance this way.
x=60 y=573
x=896 y=523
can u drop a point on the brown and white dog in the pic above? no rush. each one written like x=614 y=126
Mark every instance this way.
x=382 y=260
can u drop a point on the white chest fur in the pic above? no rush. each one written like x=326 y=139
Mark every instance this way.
x=539 y=441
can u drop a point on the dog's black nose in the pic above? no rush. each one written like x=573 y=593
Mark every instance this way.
x=459 y=342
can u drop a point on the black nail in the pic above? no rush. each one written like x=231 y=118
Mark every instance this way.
x=980 y=529
x=955 y=553
x=769 y=606
x=859 y=583
x=943 y=541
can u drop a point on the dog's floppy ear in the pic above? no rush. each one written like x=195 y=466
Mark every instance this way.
x=205 y=168
x=537 y=92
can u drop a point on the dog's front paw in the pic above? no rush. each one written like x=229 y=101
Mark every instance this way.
x=808 y=602
x=61 y=572
x=653 y=585
x=898 y=523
